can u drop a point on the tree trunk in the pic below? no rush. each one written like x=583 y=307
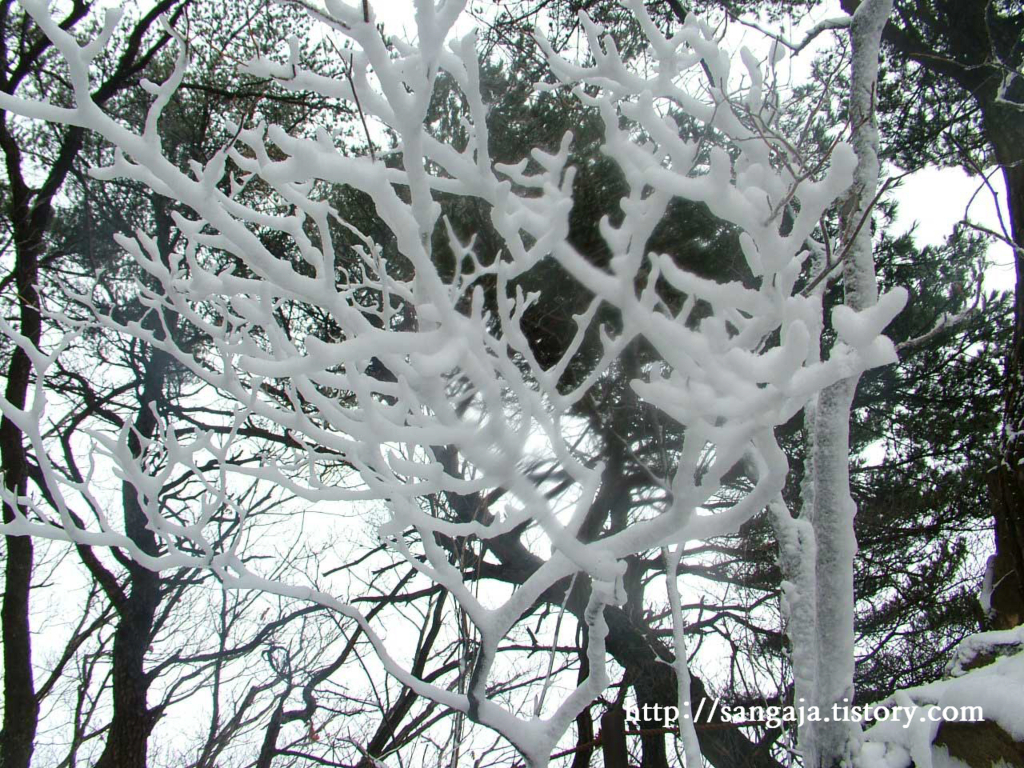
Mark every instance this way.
x=30 y=211
x=21 y=710
x=971 y=46
x=613 y=739
x=1004 y=126
x=832 y=509
x=649 y=665
x=21 y=707
x=133 y=720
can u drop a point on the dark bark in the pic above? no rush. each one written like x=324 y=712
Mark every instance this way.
x=21 y=708
x=268 y=749
x=965 y=47
x=584 y=720
x=1007 y=598
x=1005 y=129
x=28 y=215
x=133 y=719
x=647 y=663
x=29 y=212
x=614 y=748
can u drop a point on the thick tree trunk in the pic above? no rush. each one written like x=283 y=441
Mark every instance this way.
x=614 y=747
x=1006 y=601
x=21 y=709
x=30 y=211
x=832 y=516
x=133 y=720
x=21 y=706
x=1004 y=126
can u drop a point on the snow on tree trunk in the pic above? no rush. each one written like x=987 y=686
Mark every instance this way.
x=466 y=408
x=832 y=509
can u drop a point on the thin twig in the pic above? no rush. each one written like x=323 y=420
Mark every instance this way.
x=853 y=237
x=355 y=93
x=538 y=708
x=359 y=107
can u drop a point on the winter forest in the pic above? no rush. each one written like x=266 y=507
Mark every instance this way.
x=520 y=383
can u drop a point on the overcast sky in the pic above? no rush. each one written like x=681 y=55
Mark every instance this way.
x=936 y=200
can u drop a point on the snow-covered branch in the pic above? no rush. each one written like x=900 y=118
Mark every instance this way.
x=417 y=381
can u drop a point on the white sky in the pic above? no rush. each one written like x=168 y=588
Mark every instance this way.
x=936 y=199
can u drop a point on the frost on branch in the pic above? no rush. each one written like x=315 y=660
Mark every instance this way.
x=418 y=383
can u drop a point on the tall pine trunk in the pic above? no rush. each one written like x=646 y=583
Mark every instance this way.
x=1004 y=125
x=831 y=507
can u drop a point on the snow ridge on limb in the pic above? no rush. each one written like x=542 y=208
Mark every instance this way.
x=462 y=379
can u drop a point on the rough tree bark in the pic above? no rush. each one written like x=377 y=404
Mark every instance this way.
x=1004 y=126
